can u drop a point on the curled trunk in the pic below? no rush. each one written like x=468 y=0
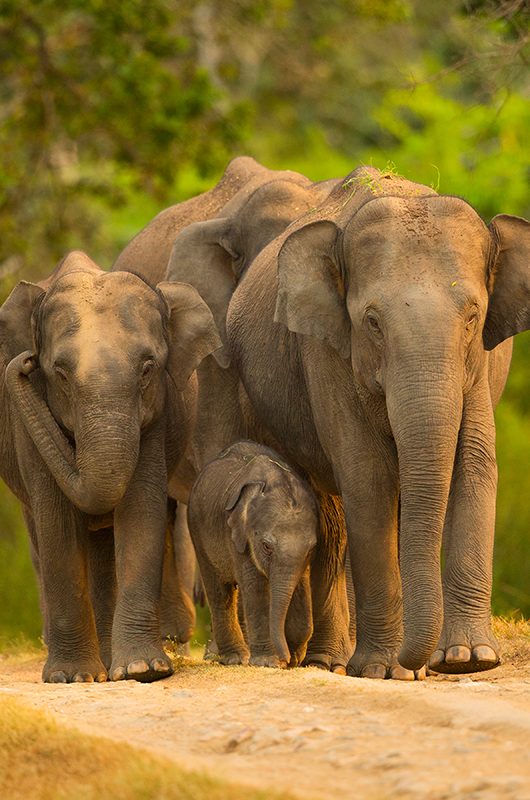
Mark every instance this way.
x=96 y=476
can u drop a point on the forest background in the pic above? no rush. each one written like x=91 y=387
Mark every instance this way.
x=110 y=111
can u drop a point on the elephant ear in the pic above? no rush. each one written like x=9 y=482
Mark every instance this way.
x=202 y=256
x=310 y=288
x=192 y=331
x=16 y=334
x=239 y=505
x=509 y=304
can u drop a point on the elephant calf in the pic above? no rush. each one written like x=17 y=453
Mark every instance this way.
x=254 y=522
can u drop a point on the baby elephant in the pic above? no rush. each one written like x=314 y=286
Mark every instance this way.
x=254 y=523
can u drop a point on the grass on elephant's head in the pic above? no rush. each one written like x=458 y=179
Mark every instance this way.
x=46 y=761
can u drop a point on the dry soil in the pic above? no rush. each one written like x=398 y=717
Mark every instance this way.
x=312 y=733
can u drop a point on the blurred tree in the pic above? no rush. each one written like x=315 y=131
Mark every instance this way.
x=96 y=98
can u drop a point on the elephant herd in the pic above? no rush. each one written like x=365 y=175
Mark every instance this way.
x=312 y=369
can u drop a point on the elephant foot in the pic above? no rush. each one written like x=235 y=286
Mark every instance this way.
x=143 y=667
x=211 y=651
x=267 y=661
x=325 y=662
x=462 y=650
x=318 y=660
x=376 y=665
x=81 y=671
x=297 y=656
x=232 y=658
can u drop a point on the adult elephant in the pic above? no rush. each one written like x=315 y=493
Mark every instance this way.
x=373 y=340
x=90 y=426
x=212 y=254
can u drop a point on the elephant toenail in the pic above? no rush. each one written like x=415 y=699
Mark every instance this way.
x=420 y=674
x=137 y=668
x=119 y=674
x=160 y=666
x=339 y=669
x=374 y=671
x=437 y=658
x=83 y=677
x=399 y=673
x=58 y=677
x=457 y=654
x=484 y=652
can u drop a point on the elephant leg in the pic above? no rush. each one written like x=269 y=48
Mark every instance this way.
x=350 y=592
x=62 y=537
x=371 y=508
x=229 y=645
x=186 y=564
x=139 y=530
x=467 y=643
x=299 y=622
x=177 y=610
x=102 y=582
x=35 y=560
x=329 y=646
x=254 y=590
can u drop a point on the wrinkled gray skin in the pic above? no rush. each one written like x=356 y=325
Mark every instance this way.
x=254 y=524
x=249 y=208
x=147 y=254
x=372 y=339
x=90 y=426
x=213 y=255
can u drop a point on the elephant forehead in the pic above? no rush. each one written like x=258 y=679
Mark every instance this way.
x=418 y=237
x=90 y=319
x=102 y=300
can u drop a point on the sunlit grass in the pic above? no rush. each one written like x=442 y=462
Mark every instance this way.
x=42 y=760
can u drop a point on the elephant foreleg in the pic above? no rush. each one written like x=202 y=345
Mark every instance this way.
x=61 y=532
x=329 y=646
x=371 y=509
x=139 y=531
x=102 y=582
x=467 y=643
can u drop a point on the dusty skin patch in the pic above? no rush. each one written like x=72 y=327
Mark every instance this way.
x=315 y=734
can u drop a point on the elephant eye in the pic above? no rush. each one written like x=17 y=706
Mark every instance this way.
x=147 y=372
x=472 y=322
x=266 y=547
x=62 y=378
x=373 y=323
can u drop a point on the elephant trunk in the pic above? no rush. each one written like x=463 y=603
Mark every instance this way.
x=281 y=593
x=96 y=477
x=425 y=415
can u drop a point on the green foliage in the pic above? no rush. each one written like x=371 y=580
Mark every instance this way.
x=512 y=543
x=19 y=604
x=92 y=91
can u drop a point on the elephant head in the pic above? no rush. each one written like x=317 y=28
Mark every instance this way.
x=273 y=514
x=409 y=287
x=214 y=254
x=102 y=343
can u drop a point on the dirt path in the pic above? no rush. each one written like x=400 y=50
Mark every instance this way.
x=315 y=734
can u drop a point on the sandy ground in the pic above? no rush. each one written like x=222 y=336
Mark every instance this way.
x=315 y=734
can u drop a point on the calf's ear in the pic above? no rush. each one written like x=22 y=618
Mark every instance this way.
x=239 y=503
